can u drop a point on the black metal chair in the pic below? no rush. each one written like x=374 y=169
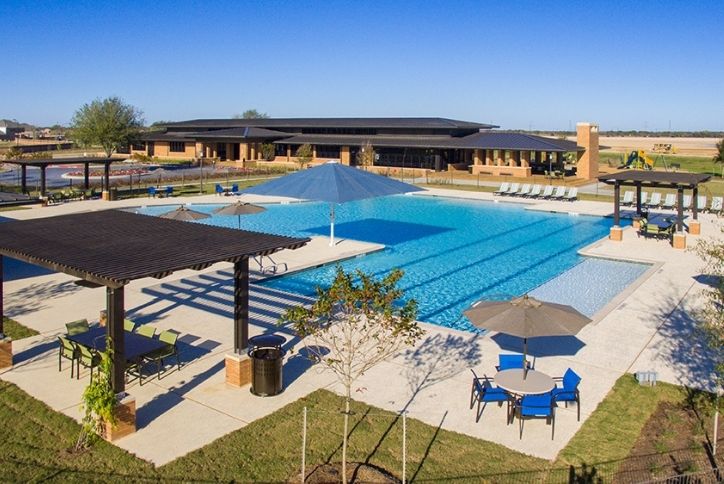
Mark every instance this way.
x=170 y=350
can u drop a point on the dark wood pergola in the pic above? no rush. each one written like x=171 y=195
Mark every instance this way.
x=45 y=162
x=112 y=247
x=655 y=179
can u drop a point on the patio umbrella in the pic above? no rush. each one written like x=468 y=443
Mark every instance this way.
x=527 y=317
x=184 y=214
x=334 y=183
x=239 y=208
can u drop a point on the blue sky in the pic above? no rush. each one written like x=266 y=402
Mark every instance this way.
x=540 y=65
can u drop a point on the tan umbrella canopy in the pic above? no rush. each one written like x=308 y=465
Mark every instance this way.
x=527 y=317
x=184 y=214
x=238 y=209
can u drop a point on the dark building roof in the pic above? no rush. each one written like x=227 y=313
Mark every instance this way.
x=410 y=123
x=482 y=140
x=241 y=133
x=113 y=247
x=171 y=136
x=655 y=178
x=62 y=161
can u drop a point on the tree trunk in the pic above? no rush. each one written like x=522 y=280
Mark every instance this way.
x=344 y=437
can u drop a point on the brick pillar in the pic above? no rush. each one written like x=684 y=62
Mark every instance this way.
x=515 y=158
x=6 y=353
x=525 y=159
x=344 y=155
x=199 y=150
x=238 y=369
x=488 y=157
x=125 y=414
x=289 y=153
x=477 y=158
x=252 y=155
x=501 y=158
x=587 y=138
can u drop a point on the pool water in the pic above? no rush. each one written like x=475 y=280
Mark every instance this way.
x=453 y=252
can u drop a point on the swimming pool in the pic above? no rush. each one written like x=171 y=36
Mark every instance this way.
x=453 y=252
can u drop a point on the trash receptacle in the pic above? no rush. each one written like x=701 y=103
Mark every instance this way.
x=267 y=358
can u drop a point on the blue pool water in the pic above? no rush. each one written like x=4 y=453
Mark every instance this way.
x=453 y=252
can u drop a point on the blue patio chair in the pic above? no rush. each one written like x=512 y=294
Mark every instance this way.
x=536 y=406
x=169 y=191
x=568 y=392
x=152 y=192
x=484 y=392
x=235 y=189
x=219 y=189
x=510 y=362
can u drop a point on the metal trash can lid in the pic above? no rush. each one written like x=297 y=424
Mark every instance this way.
x=266 y=341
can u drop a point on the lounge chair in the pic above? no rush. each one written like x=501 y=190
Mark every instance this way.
x=701 y=203
x=235 y=189
x=524 y=190
x=535 y=191
x=88 y=359
x=547 y=192
x=503 y=189
x=151 y=192
x=146 y=330
x=628 y=198
x=129 y=325
x=655 y=200
x=219 y=189
x=537 y=406
x=77 y=327
x=669 y=201
x=572 y=195
x=644 y=198
x=484 y=392
x=66 y=349
x=510 y=362
x=169 y=338
x=717 y=204
x=687 y=202
x=169 y=191
x=514 y=187
x=568 y=391
x=560 y=192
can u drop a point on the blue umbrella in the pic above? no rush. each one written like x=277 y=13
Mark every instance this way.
x=334 y=183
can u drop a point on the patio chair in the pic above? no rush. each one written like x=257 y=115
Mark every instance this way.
x=655 y=200
x=547 y=192
x=687 y=202
x=514 y=187
x=510 y=362
x=628 y=198
x=568 y=391
x=129 y=325
x=484 y=392
x=524 y=190
x=535 y=191
x=560 y=192
x=67 y=350
x=169 y=338
x=643 y=223
x=169 y=191
x=235 y=189
x=146 y=330
x=701 y=203
x=536 y=406
x=87 y=358
x=151 y=192
x=644 y=198
x=219 y=189
x=503 y=189
x=572 y=195
x=716 y=205
x=77 y=327
x=669 y=201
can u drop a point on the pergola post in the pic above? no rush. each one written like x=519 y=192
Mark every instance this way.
x=638 y=199
x=42 y=180
x=238 y=364
x=6 y=344
x=114 y=330
x=679 y=238
x=107 y=180
x=24 y=179
x=616 y=233
x=694 y=226
x=86 y=175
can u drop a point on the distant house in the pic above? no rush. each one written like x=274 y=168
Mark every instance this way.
x=9 y=129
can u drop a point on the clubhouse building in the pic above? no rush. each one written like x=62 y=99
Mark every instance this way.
x=437 y=144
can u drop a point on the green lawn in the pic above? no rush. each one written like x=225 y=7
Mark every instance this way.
x=16 y=330
x=694 y=164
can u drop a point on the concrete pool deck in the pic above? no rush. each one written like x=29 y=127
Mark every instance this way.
x=649 y=327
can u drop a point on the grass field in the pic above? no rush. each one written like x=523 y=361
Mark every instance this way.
x=694 y=164
x=16 y=330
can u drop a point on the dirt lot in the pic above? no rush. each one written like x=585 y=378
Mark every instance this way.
x=682 y=146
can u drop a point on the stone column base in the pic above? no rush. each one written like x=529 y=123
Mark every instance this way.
x=679 y=241
x=6 y=353
x=106 y=195
x=125 y=414
x=616 y=233
x=636 y=223
x=694 y=227
x=238 y=370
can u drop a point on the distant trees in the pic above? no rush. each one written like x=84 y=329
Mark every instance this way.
x=109 y=123
x=304 y=155
x=251 y=114
x=13 y=153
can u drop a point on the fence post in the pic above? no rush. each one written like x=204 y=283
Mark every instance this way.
x=304 y=446
x=404 y=447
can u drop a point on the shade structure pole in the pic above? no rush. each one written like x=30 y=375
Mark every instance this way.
x=616 y=203
x=2 y=314
x=114 y=330
x=695 y=206
x=241 y=305
x=638 y=199
x=525 y=358
x=24 y=179
x=331 y=224
x=86 y=175
x=107 y=176
x=42 y=181
x=680 y=210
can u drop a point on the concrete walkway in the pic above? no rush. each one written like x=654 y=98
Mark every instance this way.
x=648 y=327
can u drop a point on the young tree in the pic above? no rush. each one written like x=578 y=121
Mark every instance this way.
x=108 y=122
x=711 y=316
x=251 y=114
x=719 y=157
x=353 y=326
x=268 y=151
x=14 y=153
x=366 y=155
x=304 y=155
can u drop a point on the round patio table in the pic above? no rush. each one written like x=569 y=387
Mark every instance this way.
x=535 y=382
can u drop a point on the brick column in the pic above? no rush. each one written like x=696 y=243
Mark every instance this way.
x=477 y=158
x=238 y=369
x=501 y=158
x=587 y=137
x=125 y=414
x=525 y=159
x=344 y=155
x=515 y=158
x=488 y=157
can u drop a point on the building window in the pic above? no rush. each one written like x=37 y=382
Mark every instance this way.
x=177 y=147
x=328 y=151
x=138 y=146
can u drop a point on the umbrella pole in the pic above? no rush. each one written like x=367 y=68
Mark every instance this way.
x=331 y=226
x=525 y=358
x=239 y=217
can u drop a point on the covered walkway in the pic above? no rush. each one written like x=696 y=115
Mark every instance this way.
x=44 y=163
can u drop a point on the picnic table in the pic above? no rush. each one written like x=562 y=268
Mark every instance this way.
x=518 y=382
x=135 y=346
